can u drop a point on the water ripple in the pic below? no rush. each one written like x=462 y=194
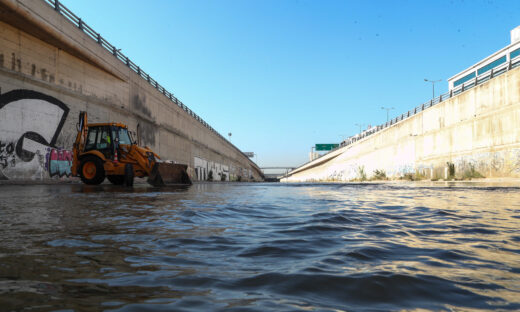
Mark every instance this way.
x=259 y=247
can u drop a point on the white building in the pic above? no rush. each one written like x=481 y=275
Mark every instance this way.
x=492 y=62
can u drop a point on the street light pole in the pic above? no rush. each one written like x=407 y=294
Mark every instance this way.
x=311 y=158
x=360 y=126
x=387 y=110
x=433 y=85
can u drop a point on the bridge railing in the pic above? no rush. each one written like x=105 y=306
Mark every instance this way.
x=79 y=23
x=494 y=72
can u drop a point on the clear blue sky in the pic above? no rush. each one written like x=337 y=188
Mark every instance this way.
x=284 y=75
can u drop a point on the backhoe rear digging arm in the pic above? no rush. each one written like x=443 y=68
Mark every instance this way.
x=79 y=142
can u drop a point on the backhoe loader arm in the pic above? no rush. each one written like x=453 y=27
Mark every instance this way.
x=80 y=141
x=146 y=159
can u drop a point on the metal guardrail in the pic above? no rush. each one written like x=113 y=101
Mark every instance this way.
x=79 y=23
x=494 y=72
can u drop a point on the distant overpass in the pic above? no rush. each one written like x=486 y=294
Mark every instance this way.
x=273 y=174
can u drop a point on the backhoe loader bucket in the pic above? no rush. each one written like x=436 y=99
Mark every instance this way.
x=167 y=173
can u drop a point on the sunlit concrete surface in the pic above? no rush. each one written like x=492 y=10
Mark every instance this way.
x=475 y=131
x=50 y=70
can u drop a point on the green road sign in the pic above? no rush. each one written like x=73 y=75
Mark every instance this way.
x=326 y=147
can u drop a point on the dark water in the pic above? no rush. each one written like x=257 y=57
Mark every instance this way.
x=258 y=247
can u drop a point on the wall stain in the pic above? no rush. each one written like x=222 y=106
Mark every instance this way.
x=1 y=60
x=44 y=74
x=147 y=132
x=497 y=162
x=139 y=103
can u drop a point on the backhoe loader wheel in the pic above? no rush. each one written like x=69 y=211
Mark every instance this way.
x=116 y=179
x=92 y=171
x=129 y=175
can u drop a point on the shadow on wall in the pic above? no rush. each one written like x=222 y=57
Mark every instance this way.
x=146 y=133
x=139 y=104
x=146 y=129
x=30 y=123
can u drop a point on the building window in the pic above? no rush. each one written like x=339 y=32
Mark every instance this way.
x=514 y=54
x=491 y=65
x=464 y=79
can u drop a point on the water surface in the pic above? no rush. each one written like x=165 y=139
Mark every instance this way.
x=259 y=247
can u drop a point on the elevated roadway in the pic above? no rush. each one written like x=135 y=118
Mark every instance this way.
x=274 y=174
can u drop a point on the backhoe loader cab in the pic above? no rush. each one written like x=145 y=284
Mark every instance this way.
x=103 y=137
x=107 y=150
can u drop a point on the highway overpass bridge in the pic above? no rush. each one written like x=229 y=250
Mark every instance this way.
x=273 y=174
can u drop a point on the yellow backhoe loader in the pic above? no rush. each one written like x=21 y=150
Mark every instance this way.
x=107 y=150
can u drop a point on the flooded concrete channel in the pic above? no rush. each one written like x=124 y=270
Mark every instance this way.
x=259 y=247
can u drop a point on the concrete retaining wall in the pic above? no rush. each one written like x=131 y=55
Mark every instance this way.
x=50 y=70
x=476 y=132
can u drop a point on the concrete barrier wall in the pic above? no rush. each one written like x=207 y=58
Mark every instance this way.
x=50 y=71
x=474 y=133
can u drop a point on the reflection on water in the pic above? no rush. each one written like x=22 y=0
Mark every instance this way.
x=259 y=247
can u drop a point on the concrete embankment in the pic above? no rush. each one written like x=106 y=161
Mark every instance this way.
x=473 y=134
x=50 y=70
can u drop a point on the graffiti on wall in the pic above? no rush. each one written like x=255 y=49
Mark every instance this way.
x=7 y=156
x=58 y=162
x=219 y=172
x=30 y=123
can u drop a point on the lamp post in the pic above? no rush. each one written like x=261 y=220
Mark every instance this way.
x=388 y=109
x=360 y=126
x=433 y=85
x=311 y=158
